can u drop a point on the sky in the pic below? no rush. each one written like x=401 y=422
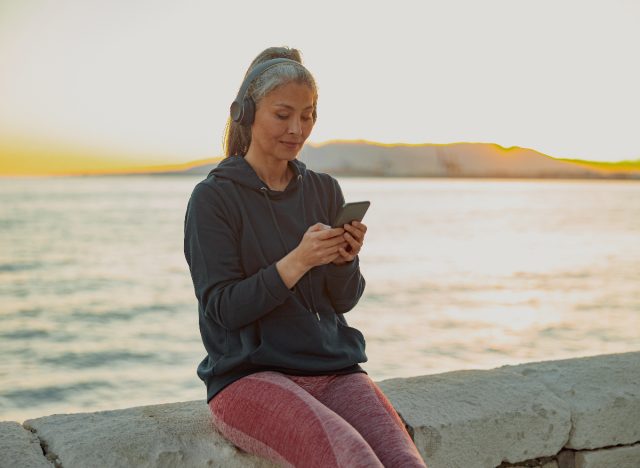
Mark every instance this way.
x=153 y=80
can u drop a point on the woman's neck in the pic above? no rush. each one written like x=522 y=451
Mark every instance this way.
x=276 y=174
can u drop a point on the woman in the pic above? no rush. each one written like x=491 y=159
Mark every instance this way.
x=273 y=282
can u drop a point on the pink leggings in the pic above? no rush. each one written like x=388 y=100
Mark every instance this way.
x=314 y=421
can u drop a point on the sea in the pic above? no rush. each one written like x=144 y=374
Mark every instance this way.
x=98 y=312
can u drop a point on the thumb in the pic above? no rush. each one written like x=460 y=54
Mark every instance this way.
x=318 y=227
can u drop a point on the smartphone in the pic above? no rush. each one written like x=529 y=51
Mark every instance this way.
x=353 y=211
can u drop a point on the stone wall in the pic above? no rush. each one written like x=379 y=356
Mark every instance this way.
x=571 y=413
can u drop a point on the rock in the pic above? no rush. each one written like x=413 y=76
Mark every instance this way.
x=167 y=435
x=479 y=418
x=602 y=392
x=616 y=457
x=20 y=448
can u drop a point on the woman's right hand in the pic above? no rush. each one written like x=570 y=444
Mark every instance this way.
x=320 y=245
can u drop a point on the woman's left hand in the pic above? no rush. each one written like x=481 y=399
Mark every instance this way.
x=354 y=236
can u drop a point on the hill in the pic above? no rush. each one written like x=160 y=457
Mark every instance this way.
x=362 y=158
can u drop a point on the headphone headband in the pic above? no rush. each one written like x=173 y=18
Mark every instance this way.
x=237 y=108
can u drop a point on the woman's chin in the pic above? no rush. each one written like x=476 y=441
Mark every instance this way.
x=291 y=155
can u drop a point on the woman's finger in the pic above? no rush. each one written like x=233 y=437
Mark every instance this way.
x=361 y=226
x=355 y=245
x=355 y=232
x=353 y=241
x=348 y=256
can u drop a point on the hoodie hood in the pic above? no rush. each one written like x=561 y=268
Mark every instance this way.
x=237 y=169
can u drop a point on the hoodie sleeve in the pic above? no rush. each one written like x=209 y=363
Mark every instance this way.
x=344 y=283
x=211 y=247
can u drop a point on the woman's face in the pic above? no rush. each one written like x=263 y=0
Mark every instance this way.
x=283 y=121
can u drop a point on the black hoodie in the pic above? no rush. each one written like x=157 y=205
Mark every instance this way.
x=235 y=230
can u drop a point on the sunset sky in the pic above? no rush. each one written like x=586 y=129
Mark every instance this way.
x=136 y=82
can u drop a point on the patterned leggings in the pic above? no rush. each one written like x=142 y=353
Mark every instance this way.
x=314 y=421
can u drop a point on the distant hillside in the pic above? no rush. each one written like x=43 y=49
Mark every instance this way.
x=620 y=166
x=361 y=158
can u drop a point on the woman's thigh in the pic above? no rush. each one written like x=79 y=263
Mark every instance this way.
x=268 y=414
x=364 y=406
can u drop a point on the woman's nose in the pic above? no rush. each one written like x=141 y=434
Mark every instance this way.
x=295 y=126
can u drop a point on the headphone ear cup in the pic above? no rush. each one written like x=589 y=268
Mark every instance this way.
x=249 y=112
x=235 y=111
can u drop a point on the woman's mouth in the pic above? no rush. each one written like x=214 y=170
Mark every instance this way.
x=290 y=145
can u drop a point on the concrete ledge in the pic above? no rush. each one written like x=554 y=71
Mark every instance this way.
x=480 y=417
x=167 y=435
x=620 y=457
x=572 y=413
x=20 y=447
x=603 y=393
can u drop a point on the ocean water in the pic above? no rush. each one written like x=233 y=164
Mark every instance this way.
x=98 y=312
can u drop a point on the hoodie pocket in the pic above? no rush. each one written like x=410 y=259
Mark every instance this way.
x=353 y=336
x=302 y=341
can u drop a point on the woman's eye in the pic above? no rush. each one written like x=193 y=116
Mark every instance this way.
x=283 y=117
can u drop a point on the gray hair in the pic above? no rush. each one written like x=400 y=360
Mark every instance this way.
x=278 y=75
x=237 y=138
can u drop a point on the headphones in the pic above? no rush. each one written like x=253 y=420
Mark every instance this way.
x=243 y=108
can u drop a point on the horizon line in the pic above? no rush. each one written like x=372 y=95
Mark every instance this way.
x=173 y=167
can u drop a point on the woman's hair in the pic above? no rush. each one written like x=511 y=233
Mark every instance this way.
x=237 y=137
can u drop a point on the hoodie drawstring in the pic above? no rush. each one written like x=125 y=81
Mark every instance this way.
x=284 y=246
